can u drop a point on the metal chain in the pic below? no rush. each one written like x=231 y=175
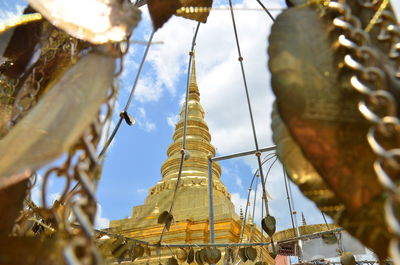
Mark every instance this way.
x=370 y=81
x=389 y=29
x=55 y=44
x=81 y=164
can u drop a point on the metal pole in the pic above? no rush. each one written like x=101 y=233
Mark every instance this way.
x=215 y=245
x=295 y=228
x=210 y=200
x=219 y=158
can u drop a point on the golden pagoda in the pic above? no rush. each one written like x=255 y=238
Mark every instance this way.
x=191 y=210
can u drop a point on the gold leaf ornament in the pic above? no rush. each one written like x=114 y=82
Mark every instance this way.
x=96 y=21
x=161 y=11
x=320 y=134
x=59 y=118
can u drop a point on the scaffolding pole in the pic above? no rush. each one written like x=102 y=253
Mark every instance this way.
x=253 y=152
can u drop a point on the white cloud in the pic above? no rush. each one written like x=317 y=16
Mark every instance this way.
x=148 y=89
x=238 y=201
x=172 y=120
x=100 y=221
x=11 y=11
x=142 y=190
x=218 y=72
x=144 y=122
x=238 y=182
x=149 y=126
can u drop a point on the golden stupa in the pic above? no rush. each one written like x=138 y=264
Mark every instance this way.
x=191 y=210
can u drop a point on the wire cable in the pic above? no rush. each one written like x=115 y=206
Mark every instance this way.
x=258 y=154
x=266 y=10
x=128 y=102
x=289 y=202
x=266 y=159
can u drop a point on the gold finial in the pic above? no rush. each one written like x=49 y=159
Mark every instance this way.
x=192 y=79
x=193 y=89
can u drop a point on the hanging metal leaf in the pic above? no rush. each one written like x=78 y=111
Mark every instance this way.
x=203 y=256
x=347 y=258
x=251 y=253
x=161 y=11
x=195 y=9
x=242 y=254
x=59 y=119
x=268 y=224
x=213 y=255
x=300 y=170
x=190 y=257
x=198 y=258
x=302 y=173
x=165 y=218
x=147 y=251
x=329 y=238
x=181 y=254
x=172 y=261
x=136 y=251
x=321 y=115
x=120 y=248
x=96 y=21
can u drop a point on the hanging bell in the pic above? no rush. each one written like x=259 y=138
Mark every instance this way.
x=181 y=255
x=172 y=261
x=147 y=251
x=242 y=254
x=120 y=248
x=190 y=257
x=199 y=261
x=213 y=255
x=128 y=118
x=268 y=224
x=251 y=253
x=186 y=154
x=137 y=251
x=347 y=258
x=329 y=238
x=165 y=218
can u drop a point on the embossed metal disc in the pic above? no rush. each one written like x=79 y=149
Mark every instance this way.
x=321 y=113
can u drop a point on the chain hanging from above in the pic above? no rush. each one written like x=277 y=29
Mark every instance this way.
x=344 y=103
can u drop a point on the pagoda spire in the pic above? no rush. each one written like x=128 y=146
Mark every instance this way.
x=198 y=139
x=192 y=196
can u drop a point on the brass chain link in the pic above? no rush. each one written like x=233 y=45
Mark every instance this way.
x=389 y=31
x=378 y=106
x=80 y=164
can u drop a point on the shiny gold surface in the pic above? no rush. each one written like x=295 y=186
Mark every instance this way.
x=191 y=213
x=319 y=131
x=304 y=230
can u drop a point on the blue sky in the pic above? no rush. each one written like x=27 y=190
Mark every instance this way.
x=133 y=161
